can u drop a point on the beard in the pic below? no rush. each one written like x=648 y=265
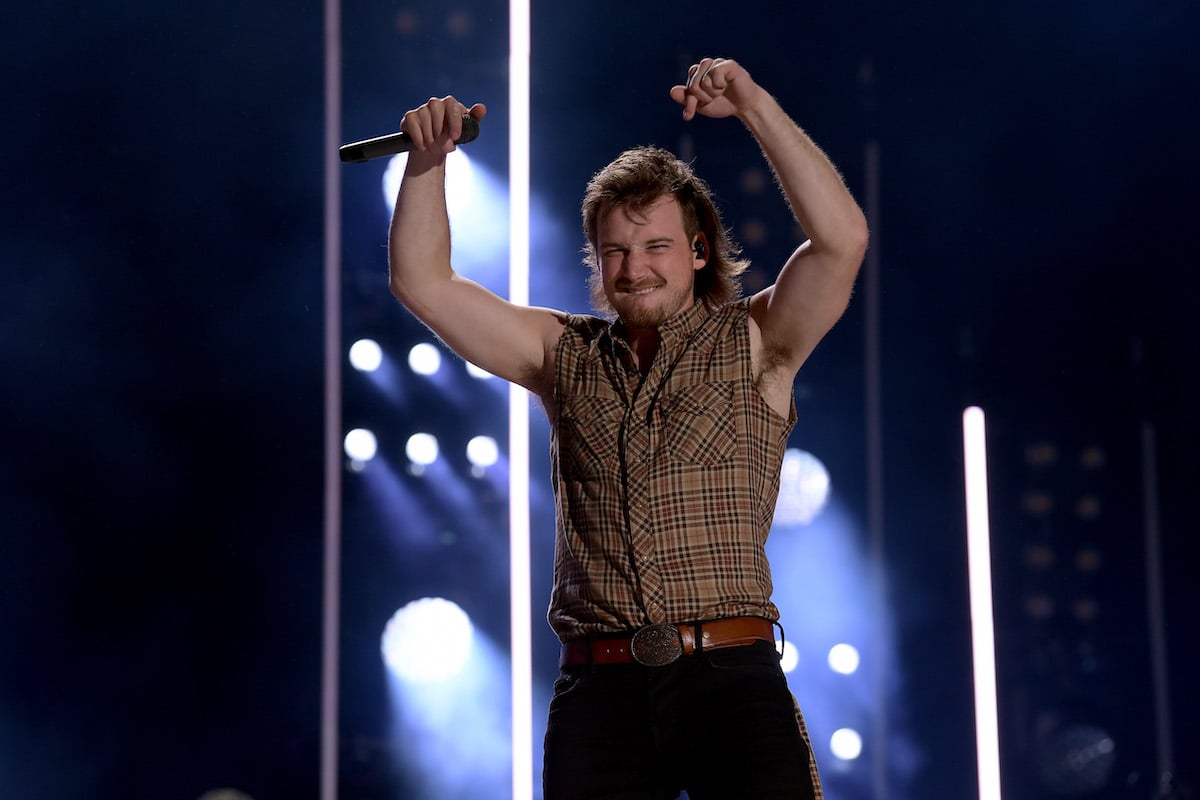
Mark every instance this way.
x=649 y=316
x=668 y=301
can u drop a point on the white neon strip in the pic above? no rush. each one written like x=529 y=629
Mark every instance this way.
x=876 y=512
x=518 y=406
x=979 y=569
x=331 y=602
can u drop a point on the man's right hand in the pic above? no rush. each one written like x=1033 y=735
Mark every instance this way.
x=437 y=124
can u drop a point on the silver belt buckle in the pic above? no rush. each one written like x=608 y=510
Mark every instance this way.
x=656 y=645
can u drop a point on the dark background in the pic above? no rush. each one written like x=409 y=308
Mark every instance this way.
x=161 y=346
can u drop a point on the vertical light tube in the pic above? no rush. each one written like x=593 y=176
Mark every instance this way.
x=331 y=601
x=518 y=406
x=1156 y=621
x=873 y=384
x=979 y=570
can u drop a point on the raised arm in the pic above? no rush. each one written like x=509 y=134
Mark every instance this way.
x=513 y=342
x=814 y=286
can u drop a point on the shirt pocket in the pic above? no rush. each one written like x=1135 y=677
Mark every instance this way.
x=700 y=425
x=589 y=431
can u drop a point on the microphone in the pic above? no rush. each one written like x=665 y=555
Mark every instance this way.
x=393 y=143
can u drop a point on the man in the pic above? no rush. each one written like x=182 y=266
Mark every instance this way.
x=669 y=426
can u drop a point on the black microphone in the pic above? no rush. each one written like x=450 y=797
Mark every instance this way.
x=393 y=143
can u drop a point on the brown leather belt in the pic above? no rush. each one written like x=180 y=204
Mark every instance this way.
x=659 y=645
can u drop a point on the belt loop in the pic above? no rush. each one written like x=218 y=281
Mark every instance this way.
x=782 y=639
x=698 y=635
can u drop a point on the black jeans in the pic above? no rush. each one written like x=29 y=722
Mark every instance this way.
x=719 y=724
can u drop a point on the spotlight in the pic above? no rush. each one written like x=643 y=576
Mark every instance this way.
x=366 y=355
x=483 y=452
x=427 y=641
x=843 y=659
x=1041 y=454
x=424 y=359
x=803 y=488
x=1088 y=560
x=459 y=181
x=846 y=744
x=1077 y=759
x=789 y=658
x=360 y=445
x=478 y=373
x=421 y=449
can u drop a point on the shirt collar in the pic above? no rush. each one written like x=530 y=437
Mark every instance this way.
x=677 y=328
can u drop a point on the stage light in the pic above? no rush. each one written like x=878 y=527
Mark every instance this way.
x=1040 y=557
x=360 y=445
x=427 y=641
x=478 y=373
x=483 y=452
x=1041 y=454
x=459 y=181
x=425 y=359
x=225 y=794
x=1088 y=560
x=1037 y=503
x=1085 y=609
x=366 y=355
x=789 y=657
x=1093 y=458
x=1076 y=760
x=451 y=735
x=1039 y=605
x=1089 y=508
x=803 y=488
x=846 y=744
x=843 y=659
x=422 y=449
x=460 y=24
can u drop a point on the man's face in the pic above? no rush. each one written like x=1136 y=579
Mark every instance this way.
x=647 y=264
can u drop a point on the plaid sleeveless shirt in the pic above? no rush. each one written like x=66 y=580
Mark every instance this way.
x=665 y=485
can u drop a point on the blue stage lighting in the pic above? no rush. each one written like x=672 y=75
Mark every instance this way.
x=790 y=657
x=843 y=659
x=478 y=373
x=425 y=359
x=1076 y=760
x=453 y=733
x=460 y=181
x=427 y=641
x=422 y=449
x=803 y=488
x=477 y=204
x=360 y=445
x=846 y=744
x=483 y=452
x=366 y=355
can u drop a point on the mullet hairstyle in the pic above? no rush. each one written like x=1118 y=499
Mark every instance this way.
x=635 y=180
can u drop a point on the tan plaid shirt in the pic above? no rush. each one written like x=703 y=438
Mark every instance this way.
x=665 y=485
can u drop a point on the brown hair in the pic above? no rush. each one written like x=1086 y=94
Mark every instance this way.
x=635 y=180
